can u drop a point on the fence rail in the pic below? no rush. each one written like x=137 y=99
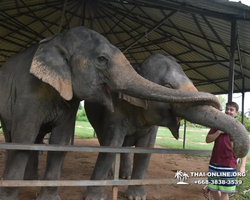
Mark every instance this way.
x=114 y=183
x=52 y=147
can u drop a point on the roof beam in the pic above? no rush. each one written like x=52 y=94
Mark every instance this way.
x=121 y=19
x=107 y=12
x=178 y=6
x=17 y=31
x=152 y=29
x=220 y=80
x=20 y=25
x=37 y=18
x=124 y=13
x=203 y=34
x=216 y=34
x=205 y=61
x=12 y=42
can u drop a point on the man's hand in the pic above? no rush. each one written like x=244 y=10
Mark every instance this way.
x=212 y=137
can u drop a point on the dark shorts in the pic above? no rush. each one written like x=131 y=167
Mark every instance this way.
x=221 y=178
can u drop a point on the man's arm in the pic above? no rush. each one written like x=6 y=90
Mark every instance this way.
x=243 y=165
x=212 y=137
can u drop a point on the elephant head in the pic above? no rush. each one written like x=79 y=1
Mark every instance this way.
x=81 y=63
x=168 y=73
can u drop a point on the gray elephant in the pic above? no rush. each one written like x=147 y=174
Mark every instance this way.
x=41 y=89
x=136 y=124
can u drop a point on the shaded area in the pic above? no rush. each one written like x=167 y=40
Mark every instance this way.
x=198 y=34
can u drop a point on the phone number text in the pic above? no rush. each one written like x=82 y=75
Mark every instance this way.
x=218 y=182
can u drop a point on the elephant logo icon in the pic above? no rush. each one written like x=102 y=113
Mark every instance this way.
x=182 y=177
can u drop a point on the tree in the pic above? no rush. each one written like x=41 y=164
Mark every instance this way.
x=246 y=123
x=81 y=115
x=222 y=100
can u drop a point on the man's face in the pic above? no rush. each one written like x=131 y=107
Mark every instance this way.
x=231 y=110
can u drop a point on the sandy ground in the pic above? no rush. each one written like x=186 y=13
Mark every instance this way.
x=79 y=166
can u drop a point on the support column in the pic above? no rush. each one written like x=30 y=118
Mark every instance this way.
x=232 y=60
x=184 y=135
x=243 y=100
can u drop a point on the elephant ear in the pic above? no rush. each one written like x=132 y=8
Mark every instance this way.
x=50 y=65
x=134 y=101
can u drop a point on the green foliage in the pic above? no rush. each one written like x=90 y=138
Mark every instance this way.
x=246 y=123
x=222 y=100
x=243 y=191
x=81 y=115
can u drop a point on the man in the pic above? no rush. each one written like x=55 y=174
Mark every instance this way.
x=222 y=161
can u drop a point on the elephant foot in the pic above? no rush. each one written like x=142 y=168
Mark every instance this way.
x=48 y=193
x=95 y=193
x=125 y=166
x=9 y=193
x=125 y=173
x=136 y=192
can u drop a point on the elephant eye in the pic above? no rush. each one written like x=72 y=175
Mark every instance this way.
x=102 y=60
x=168 y=85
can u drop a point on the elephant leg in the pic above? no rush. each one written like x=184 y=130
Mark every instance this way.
x=101 y=170
x=31 y=171
x=53 y=172
x=125 y=166
x=16 y=160
x=59 y=135
x=102 y=167
x=140 y=165
x=14 y=170
x=6 y=132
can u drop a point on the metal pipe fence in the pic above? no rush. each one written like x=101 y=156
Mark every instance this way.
x=114 y=183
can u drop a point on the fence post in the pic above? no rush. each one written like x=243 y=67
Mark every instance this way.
x=116 y=175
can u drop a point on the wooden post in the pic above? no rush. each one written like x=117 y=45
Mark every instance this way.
x=116 y=175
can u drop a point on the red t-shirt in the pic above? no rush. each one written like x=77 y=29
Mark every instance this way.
x=222 y=153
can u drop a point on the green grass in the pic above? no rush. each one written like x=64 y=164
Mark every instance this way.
x=84 y=130
x=243 y=190
x=195 y=139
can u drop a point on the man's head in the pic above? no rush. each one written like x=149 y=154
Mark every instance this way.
x=232 y=109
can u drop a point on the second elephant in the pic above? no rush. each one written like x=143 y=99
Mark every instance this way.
x=137 y=125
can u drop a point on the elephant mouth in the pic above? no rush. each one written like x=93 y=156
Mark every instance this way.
x=107 y=98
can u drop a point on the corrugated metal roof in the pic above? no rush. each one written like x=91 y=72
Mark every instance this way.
x=196 y=33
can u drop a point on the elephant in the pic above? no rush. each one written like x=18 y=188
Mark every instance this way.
x=42 y=86
x=135 y=123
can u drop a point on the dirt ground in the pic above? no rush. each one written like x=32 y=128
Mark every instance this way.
x=79 y=166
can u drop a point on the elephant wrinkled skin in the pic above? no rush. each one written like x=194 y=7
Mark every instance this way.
x=137 y=125
x=41 y=89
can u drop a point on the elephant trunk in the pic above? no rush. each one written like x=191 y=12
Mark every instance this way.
x=131 y=83
x=213 y=118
